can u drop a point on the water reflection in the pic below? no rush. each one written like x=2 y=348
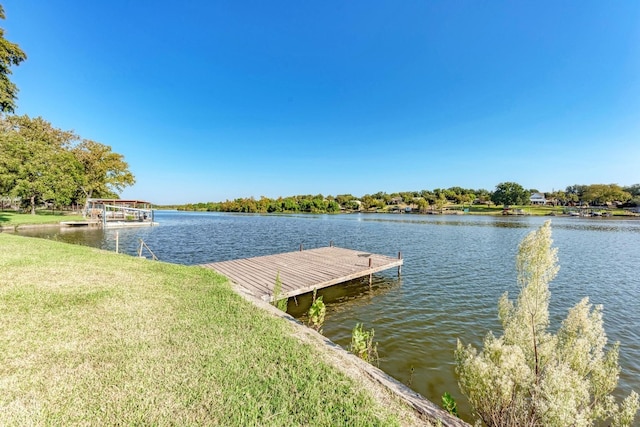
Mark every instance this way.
x=344 y=296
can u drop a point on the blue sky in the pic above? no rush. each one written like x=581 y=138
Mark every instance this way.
x=214 y=100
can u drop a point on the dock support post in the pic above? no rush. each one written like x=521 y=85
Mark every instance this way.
x=300 y=247
x=370 y=274
x=400 y=266
x=331 y=243
x=117 y=240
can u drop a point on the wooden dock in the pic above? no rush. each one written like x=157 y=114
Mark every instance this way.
x=302 y=271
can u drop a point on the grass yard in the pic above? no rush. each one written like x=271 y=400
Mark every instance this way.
x=9 y=218
x=95 y=338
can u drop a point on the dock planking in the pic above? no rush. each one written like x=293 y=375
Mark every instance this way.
x=302 y=271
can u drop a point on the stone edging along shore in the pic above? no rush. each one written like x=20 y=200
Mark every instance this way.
x=14 y=228
x=382 y=386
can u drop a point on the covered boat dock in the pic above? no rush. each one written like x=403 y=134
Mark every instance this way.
x=119 y=213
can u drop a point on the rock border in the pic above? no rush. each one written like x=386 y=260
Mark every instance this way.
x=425 y=411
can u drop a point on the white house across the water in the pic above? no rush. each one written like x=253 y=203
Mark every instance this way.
x=537 y=199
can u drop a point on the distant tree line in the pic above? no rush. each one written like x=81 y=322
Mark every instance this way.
x=42 y=164
x=293 y=204
x=505 y=193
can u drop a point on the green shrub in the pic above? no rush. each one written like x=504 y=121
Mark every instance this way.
x=278 y=302
x=449 y=404
x=362 y=344
x=317 y=312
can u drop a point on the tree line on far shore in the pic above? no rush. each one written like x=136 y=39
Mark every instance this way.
x=505 y=193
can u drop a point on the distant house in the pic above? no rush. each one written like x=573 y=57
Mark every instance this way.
x=537 y=199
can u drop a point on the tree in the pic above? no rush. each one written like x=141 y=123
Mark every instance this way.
x=422 y=205
x=36 y=164
x=10 y=54
x=440 y=201
x=333 y=206
x=600 y=194
x=634 y=190
x=39 y=163
x=510 y=193
x=344 y=199
x=530 y=377
x=574 y=193
x=105 y=172
x=558 y=197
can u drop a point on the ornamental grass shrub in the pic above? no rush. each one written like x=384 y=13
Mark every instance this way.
x=531 y=377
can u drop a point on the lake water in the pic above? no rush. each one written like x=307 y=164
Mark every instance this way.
x=455 y=270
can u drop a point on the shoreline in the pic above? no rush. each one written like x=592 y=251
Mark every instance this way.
x=158 y=328
x=359 y=370
x=450 y=213
x=18 y=227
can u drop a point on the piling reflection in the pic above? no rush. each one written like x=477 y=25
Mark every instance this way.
x=343 y=296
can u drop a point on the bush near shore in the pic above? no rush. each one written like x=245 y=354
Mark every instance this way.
x=95 y=338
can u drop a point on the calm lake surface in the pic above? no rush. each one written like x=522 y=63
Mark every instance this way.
x=455 y=270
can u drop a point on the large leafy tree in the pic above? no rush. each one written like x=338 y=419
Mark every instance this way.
x=510 y=193
x=36 y=164
x=9 y=162
x=39 y=162
x=600 y=194
x=531 y=377
x=105 y=173
x=10 y=54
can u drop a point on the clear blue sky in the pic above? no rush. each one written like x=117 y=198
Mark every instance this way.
x=214 y=100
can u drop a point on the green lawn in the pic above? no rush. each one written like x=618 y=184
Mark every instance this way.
x=95 y=338
x=8 y=218
x=527 y=209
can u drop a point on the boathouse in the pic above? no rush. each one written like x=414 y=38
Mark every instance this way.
x=119 y=212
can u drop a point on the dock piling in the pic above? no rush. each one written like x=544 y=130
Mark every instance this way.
x=370 y=274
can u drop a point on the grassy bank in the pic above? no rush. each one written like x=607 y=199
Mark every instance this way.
x=13 y=219
x=527 y=210
x=95 y=338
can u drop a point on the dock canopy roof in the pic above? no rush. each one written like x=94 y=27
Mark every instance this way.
x=120 y=202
